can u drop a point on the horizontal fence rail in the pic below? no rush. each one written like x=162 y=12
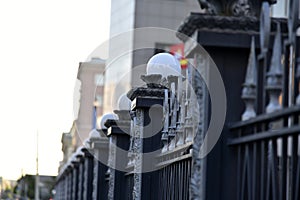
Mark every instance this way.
x=268 y=160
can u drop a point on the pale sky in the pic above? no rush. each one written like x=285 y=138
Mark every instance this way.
x=41 y=45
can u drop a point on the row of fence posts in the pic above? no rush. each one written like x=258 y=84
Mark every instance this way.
x=144 y=150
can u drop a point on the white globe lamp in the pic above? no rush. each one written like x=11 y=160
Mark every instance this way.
x=124 y=102
x=106 y=117
x=164 y=64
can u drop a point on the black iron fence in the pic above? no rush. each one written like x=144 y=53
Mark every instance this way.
x=146 y=153
x=268 y=144
x=268 y=159
x=152 y=150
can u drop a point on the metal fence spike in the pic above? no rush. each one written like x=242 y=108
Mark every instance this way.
x=249 y=87
x=276 y=63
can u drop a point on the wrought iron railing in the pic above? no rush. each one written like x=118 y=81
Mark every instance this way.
x=268 y=144
x=162 y=126
x=155 y=152
x=174 y=175
x=268 y=160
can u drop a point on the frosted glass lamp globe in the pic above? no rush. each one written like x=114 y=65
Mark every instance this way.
x=124 y=103
x=164 y=64
x=106 y=117
x=94 y=134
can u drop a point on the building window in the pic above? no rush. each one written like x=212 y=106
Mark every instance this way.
x=99 y=79
x=280 y=9
x=99 y=100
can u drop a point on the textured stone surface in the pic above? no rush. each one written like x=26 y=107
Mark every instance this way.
x=111 y=164
x=198 y=21
x=197 y=185
x=137 y=151
x=153 y=92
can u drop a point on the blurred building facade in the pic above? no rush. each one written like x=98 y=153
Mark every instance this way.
x=67 y=147
x=88 y=106
x=6 y=188
x=91 y=76
x=125 y=52
x=24 y=188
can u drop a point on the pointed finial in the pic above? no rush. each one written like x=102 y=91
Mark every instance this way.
x=276 y=64
x=274 y=76
x=249 y=87
x=251 y=69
